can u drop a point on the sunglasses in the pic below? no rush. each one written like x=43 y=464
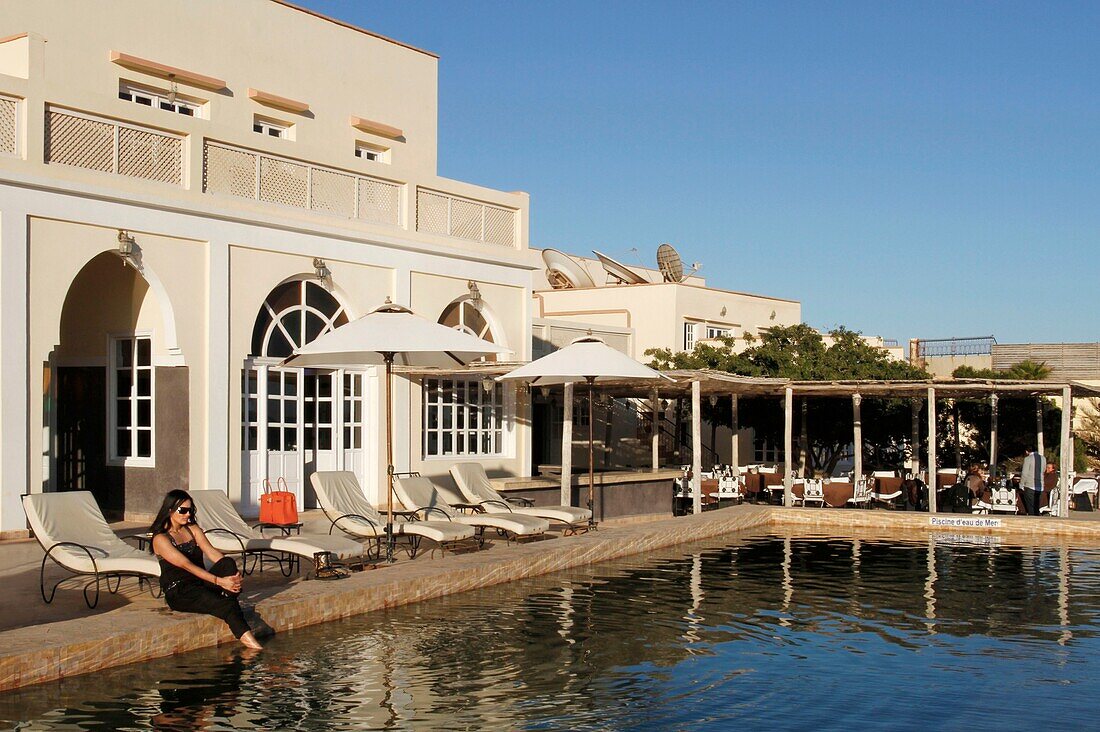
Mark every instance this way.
x=185 y=510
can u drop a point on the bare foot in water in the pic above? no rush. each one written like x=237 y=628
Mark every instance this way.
x=250 y=641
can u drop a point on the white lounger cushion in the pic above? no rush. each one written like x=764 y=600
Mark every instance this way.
x=339 y=494
x=476 y=488
x=75 y=516
x=215 y=511
x=420 y=494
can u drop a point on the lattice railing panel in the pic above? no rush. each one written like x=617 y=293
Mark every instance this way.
x=432 y=213
x=108 y=147
x=284 y=182
x=379 y=202
x=466 y=219
x=438 y=213
x=143 y=154
x=253 y=175
x=229 y=171
x=80 y=142
x=9 y=129
x=333 y=193
x=500 y=226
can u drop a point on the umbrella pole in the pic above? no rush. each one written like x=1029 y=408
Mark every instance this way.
x=591 y=462
x=389 y=456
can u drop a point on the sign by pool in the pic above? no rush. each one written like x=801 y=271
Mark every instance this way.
x=965 y=522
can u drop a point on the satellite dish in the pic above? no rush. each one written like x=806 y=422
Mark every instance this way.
x=620 y=272
x=564 y=272
x=670 y=264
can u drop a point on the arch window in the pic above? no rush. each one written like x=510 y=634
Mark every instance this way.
x=294 y=314
x=467 y=316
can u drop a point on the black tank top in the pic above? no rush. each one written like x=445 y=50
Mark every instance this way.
x=172 y=576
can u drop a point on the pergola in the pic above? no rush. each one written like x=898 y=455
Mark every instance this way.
x=696 y=383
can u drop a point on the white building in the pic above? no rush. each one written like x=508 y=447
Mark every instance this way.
x=275 y=171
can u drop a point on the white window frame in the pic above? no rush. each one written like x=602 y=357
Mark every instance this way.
x=158 y=99
x=487 y=405
x=765 y=452
x=718 y=331
x=363 y=151
x=131 y=461
x=689 y=336
x=269 y=126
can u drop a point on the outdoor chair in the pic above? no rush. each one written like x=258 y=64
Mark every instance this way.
x=861 y=493
x=1003 y=499
x=813 y=492
x=474 y=484
x=72 y=531
x=729 y=489
x=420 y=495
x=229 y=534
x=348 y=509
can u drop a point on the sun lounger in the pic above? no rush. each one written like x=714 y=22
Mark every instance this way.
x=420 y=494
x=347 y=508
x=72 y=531
x=229 y=534
x=476 y=488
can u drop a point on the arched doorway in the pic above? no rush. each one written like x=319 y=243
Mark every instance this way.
x=119 y=424
x=297 y=421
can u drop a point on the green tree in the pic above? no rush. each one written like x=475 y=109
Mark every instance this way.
x=799 y=352
x=1016 y=424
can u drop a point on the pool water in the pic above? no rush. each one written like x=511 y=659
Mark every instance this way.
x=763 y=632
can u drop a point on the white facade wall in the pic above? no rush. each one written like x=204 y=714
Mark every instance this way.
x=210 y=260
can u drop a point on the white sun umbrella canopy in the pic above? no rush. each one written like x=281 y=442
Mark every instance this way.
x=387 y=335
x=587 y=359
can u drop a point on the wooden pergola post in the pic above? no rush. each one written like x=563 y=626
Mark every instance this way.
x=655 y=437
x=933 y=483
x=696 y=446
x=567 y=448
x=1067 y=451
x=914 y=458
x=1039 y=424
x=735 y=442
x=788 y=438
x=993 y=406
x=804 y=438
x=857 y=440
x=956 y=440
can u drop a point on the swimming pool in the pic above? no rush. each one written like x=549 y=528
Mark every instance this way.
x=760 y=632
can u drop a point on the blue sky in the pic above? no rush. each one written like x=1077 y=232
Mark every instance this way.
x=910 y=170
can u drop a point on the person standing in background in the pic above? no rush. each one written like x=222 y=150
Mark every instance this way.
x=1031 y=481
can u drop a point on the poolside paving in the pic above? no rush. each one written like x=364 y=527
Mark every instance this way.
x=41 y=642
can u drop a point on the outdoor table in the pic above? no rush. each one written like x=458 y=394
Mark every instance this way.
x=286 y=529
x=838 y=492
x=753 y=484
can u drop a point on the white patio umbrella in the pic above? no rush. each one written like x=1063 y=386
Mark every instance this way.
x=392 y=334
x=586 y=359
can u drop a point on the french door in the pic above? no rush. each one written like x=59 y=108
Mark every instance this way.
x=296 y=422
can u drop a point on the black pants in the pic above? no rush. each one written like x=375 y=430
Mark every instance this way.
x=203 y=597
x=1031 y=501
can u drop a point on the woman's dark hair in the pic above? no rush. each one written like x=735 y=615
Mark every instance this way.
x=172 y=501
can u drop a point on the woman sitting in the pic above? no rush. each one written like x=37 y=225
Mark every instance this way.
x=188 y=587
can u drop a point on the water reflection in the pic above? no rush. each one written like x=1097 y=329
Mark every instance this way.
x=946 y=630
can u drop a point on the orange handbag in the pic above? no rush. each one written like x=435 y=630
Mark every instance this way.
x=278 y=506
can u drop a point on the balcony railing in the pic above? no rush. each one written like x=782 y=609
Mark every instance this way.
x=248 y=174
x=83 y=141
x=464 y=218
x=9 y=126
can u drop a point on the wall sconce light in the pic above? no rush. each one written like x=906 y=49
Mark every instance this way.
x=475 y=294
x=322 y=272
x=127 y=249
x=544 y=391
x=487 y=384
x=723 y=311
x=713 y=400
